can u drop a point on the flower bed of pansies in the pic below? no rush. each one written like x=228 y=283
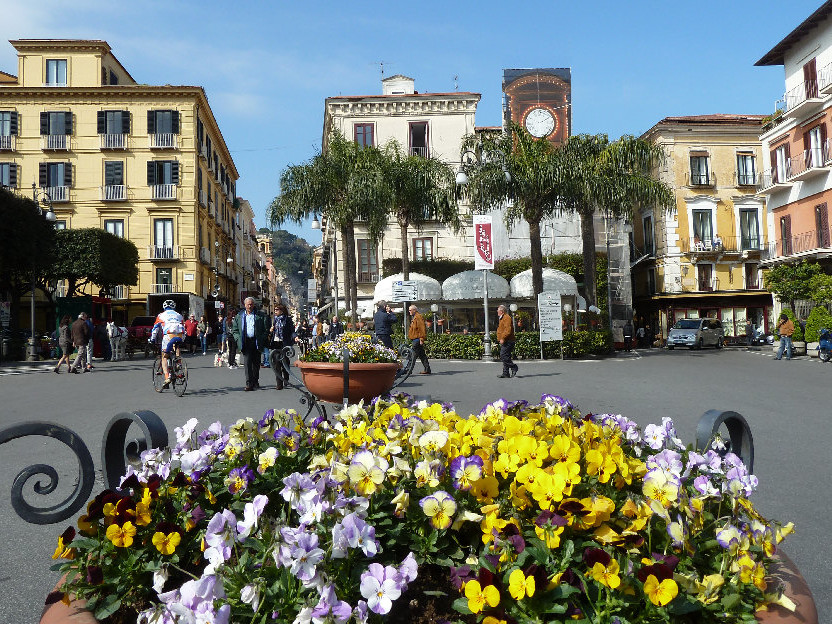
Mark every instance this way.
x=410 y=512
x=360 y=346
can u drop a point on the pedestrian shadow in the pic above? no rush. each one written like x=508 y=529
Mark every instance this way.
x=213 y=391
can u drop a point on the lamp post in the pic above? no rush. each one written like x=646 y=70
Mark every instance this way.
x=316 y=225
x=46 y=200
x=513 y=308
x=434 y=308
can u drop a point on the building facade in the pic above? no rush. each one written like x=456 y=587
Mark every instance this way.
x=795 y=143
x=147 y=163
x=703 y=258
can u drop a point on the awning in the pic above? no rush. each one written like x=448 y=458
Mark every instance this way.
x=468 y=285
x=427 y=288
x=553 y=281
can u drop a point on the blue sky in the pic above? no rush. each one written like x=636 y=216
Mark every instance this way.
x=268 y=66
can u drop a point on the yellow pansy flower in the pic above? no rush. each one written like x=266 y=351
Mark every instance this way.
x=662 y=593
x=607 y=575
x=166 y=544
x=121 y=536
x=520 y=585
x=478 y=596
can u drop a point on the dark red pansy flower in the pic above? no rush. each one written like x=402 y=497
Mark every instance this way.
x=659 y=570
x=53 y=597
x=486 y=577
x=95 y=575
x=131 y=483
x=596 y=555
x=68 y=535
x=168 y=527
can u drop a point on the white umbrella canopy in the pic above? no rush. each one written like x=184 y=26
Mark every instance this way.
x=553 y=281
x=468 y=285
x=427 y=288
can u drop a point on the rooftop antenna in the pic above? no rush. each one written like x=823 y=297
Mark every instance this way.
x=456 y=82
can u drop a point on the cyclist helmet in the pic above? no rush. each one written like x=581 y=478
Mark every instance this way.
x=169 y=304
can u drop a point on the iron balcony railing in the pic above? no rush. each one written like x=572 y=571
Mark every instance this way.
x=825 y=77
x=163 y=140
x=801 y=243
x=203 y=198
x=164 y=191
x=113 y=141
x=812 y=158
x=163 y=252
x=745 y=179
x=58 y=193
x=162 y=289
x=801 y=93
x=7 y=142
x=204 y=255
x=56 y=142
x=728 y=244
x=113 y=192
x=119 y=292
x=707 y=283
x=775 y=175
x=203 y=151
x=701 y=179
x=419 y=151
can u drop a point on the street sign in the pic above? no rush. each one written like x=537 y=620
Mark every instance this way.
x=551 y=318
x=405 y=291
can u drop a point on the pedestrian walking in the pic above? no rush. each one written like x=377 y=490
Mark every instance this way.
x=785 y=327
x=265 y=362
x=230 y=342
x=80 y=332
x=190 y=333
x=90 y=340
x=417 y=334
x=335 y=328
x=749 y=334
x=384 y=320
x=249 y=331
x=323 y=335
x=283 y=335
x=202 y=334
x=505 y=336
x=64 y=342
x=641 y=337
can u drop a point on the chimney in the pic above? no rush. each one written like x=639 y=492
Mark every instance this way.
x=398 y=85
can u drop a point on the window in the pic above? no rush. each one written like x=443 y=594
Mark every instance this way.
x=8 y=174
x=752 y=281
x=786 y=235
x=113 y=122
x=162 y=172
x=163 y=238
x=649 y=244
x=702 y=228
x=749 y=229
x=699 y=175
x=164 y=280
x=418 y=138
x=115 y=227
x=113 y=78
x=822 y=225
x=810 y=79
x=705 y=274
x=56 y=72
x=367 y=262
x=163 y=122
x=651 y=281
x=813 y=146
x=781 y=164
x=746 y=171
x=113 y=173
x=423 y=248
x=8 y=123
x=54 y=175
x=60 y=224
x=56 y=124
x=364 y=134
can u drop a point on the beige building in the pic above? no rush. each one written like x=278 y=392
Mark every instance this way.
x=144 y=162
x=702 y=258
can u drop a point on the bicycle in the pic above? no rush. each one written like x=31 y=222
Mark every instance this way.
x=177 y=368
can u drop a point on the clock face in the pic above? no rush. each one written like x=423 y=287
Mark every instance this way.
x=540 y=122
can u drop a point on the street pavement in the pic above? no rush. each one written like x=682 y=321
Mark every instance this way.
x=785 y=403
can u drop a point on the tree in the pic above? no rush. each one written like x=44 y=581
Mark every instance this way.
x=94 y=256
x=346 y=183
x=524 y=175
x=789 y=282
x=611 y=178
x=27 y=242
x=421 y=190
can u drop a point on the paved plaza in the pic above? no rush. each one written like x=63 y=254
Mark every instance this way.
x=786 y=404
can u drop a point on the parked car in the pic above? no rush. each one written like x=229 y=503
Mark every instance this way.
x=138 y=333
x=696 y=333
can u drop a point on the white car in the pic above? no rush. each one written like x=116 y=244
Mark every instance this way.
x=696 y=333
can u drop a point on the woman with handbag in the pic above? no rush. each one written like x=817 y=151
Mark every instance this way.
x=202 y=330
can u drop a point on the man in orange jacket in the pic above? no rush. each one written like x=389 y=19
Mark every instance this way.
x=505 y=336
x=417 y=334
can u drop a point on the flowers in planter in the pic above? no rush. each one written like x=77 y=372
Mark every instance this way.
x=360 y=347
x=521 y=513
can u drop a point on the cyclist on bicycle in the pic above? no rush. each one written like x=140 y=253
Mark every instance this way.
x=171 y=325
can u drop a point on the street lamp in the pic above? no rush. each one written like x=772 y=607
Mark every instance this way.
x=316 y=225
x=40 y=196
x=434 y=308
x=513 y=308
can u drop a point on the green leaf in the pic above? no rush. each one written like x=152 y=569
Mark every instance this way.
x=730 y=601
x=460 y=605
x=109 y=605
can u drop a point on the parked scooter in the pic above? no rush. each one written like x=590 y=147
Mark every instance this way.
x=825 y=345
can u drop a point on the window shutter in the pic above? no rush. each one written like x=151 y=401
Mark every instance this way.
x=806 y=142
x=13 y=175
x=823 y=139
x=44 y=123
x=108 y=173
x=788 y=151
x=174 y=121
x=13 y=124
x=199 y=178
x=151 y=122
x=102 y=122
x=174 y=172
x=67 y=174
x=113 y=172
x=42 y=174
x=125 y=122
x=68 y=123
x=151 y=172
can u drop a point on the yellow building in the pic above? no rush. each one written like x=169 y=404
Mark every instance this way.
x=148 y=163
x=702 y=258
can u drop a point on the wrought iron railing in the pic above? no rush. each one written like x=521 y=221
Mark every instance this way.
x=163 y=140
x=113 y=141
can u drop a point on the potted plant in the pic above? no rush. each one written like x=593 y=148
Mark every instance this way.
x=372 y=368
x=409 y=512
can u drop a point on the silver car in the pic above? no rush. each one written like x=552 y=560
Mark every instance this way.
x=696 y=333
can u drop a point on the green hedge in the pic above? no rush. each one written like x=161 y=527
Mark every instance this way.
x=439 y=269
x=527 y=346
x=819 y=318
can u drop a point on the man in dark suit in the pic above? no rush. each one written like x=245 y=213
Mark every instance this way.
x=283 y=335
x=251 y=335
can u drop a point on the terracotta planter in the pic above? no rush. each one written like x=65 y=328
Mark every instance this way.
x=326 y=380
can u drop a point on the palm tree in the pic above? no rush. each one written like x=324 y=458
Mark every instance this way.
x=524 y=175
x=345 y=182
x=421 y=190
x=611 y=178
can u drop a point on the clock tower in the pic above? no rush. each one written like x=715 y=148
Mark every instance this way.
x=540 y=100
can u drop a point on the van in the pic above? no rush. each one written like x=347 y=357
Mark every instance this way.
x=696 y=333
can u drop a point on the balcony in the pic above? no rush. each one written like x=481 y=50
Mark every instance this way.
x=8 y=142
x=774 y=180
x=707 y=284
x=113 y=141
x=811 y=243
x=203 y=151
x=204 y=255
x=57 y=193
x=56 y=142
x=163 y=140
x=162 y=289
x=163 y=252
x=809 y=163
x=701 y=180
x=119 y=292
x=825 y=79
x=164 y=192
x=803 y=100
x=114 y=192
x=745 y=179
x=419 y=151
x=211 y=210
x=203 y=199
